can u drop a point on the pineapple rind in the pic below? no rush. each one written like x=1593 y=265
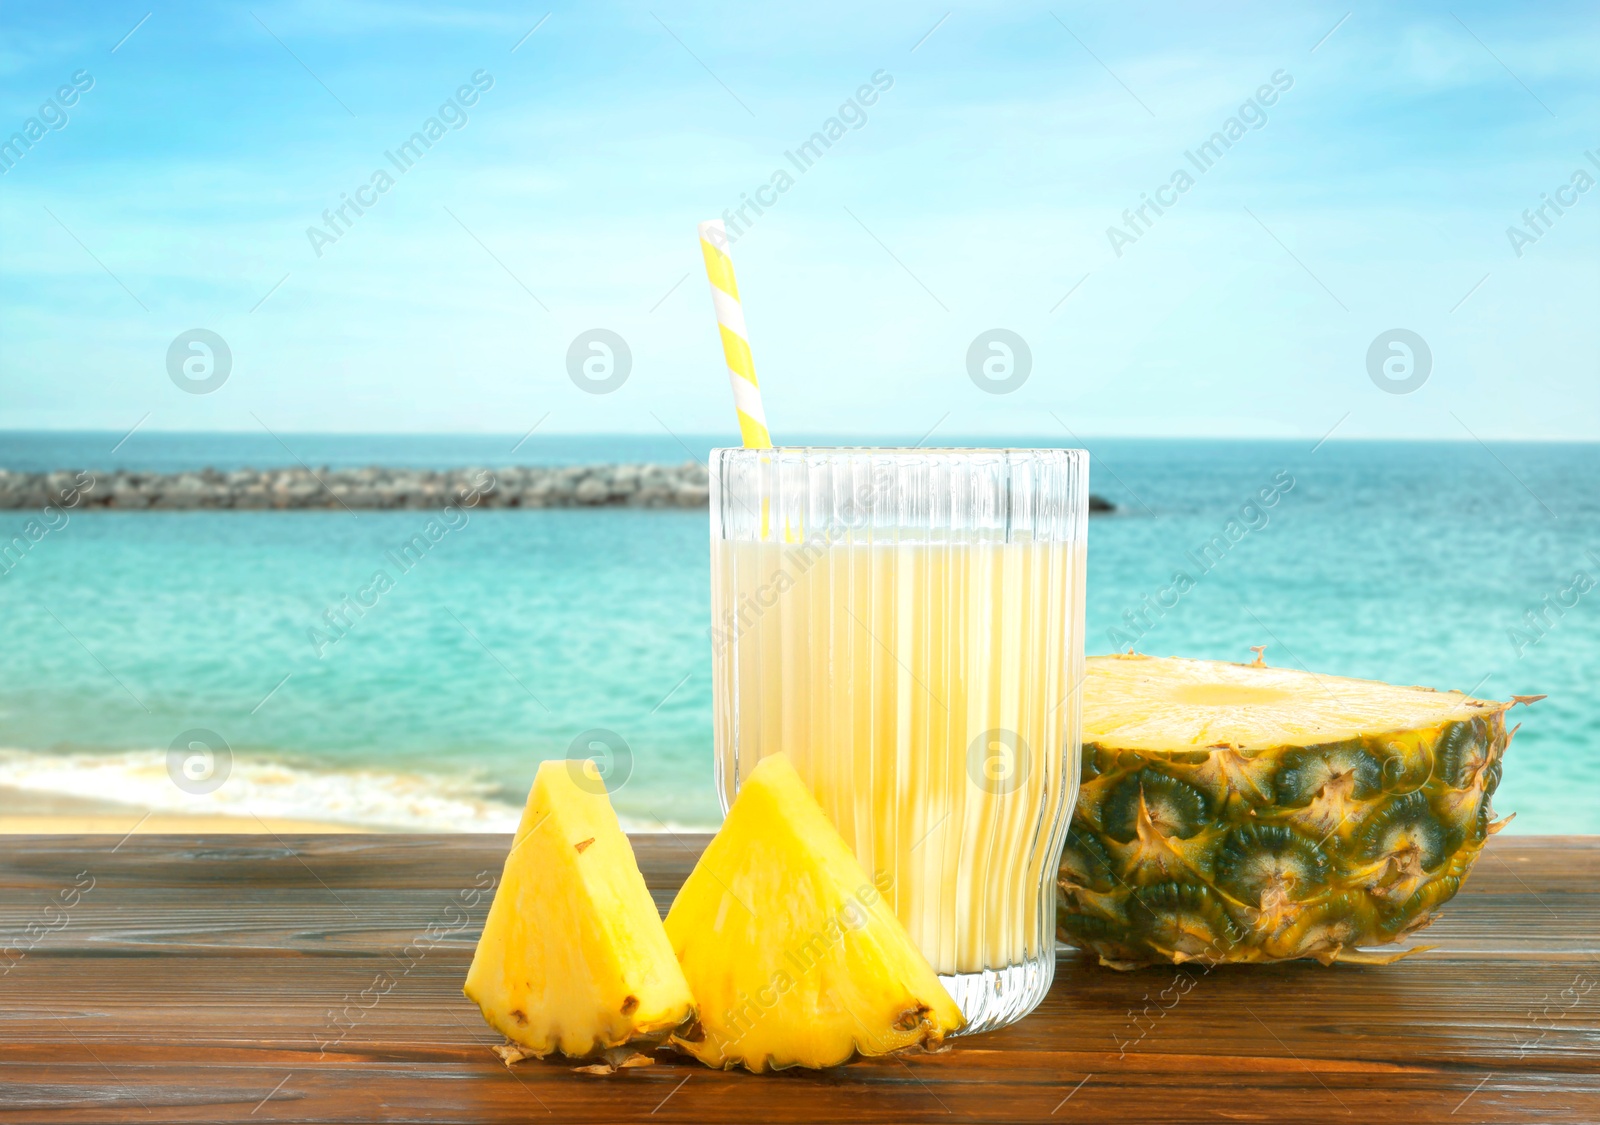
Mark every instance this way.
x=1253 y=853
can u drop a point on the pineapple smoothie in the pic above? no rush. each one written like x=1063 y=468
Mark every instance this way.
x=927 y=693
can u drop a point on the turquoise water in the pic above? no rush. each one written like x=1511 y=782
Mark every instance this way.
x=520 y=631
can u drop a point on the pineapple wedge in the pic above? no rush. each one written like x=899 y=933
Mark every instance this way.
x=793 y=955
x=573 y=957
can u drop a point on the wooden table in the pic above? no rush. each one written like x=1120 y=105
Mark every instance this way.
x=232 y=978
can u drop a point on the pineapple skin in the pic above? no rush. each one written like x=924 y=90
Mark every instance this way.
x=1216 y=857
x=573 y=957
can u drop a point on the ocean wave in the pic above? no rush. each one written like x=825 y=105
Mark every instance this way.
x=259 y=786
x=262 y=787
x=270 y=789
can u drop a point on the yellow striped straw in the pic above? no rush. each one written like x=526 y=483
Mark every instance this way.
x=735 y=342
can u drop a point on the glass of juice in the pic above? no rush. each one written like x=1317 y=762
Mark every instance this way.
x=907 y=625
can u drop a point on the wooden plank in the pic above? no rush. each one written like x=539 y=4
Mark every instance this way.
x=220 y=979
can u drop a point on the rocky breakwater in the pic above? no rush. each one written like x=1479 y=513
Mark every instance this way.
x=527 y=486
x=577 y=486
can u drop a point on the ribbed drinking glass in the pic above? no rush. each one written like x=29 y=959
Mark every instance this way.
x=907 y=625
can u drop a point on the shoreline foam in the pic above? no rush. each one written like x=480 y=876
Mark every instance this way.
x=115 y=788
x=24 y=812
x=262 y=788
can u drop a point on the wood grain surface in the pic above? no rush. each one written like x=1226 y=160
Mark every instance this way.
x=318 y=979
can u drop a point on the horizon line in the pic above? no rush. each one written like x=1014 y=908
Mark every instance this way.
x=835 y=436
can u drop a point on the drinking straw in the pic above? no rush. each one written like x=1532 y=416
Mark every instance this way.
x=735 y=343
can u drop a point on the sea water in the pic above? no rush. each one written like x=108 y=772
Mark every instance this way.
x=521 y=632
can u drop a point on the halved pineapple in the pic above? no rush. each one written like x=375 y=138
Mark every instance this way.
x=1234 y=812
x=793 y=955
x=573 y=957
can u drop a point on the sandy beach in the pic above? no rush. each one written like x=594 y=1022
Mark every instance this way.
x=25 y=811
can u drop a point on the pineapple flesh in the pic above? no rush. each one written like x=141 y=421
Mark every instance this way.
x=793 y=954
x=573 y=957
x=1237 y=813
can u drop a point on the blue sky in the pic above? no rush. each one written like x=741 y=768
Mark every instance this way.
x=976 y=194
